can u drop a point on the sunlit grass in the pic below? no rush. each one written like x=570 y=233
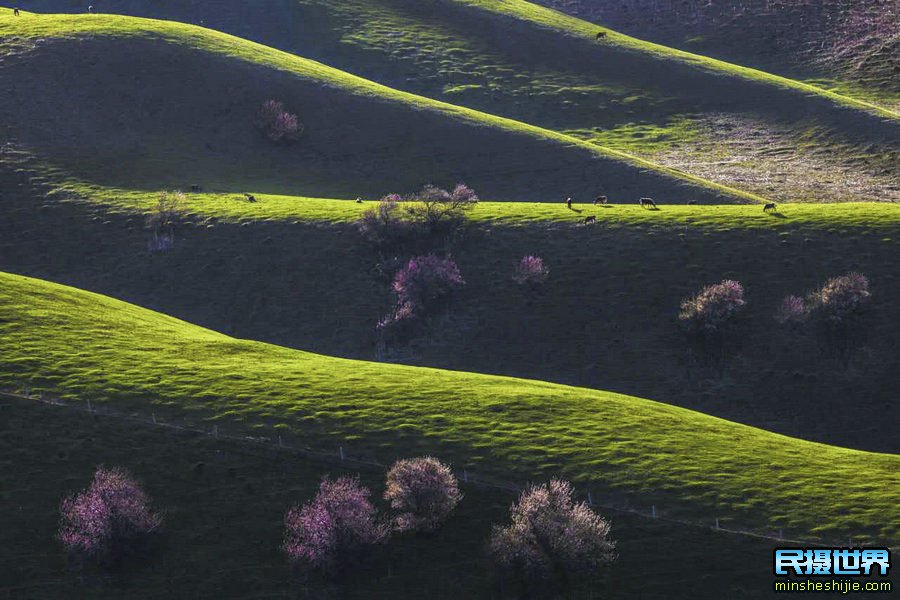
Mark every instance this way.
x=235 y=208
x=78 y=345
x=15 y=31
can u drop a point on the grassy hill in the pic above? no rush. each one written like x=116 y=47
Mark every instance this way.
x=781 y=138
x=847 y=40
x=223 y=504
x=295 y=272
x=185 y=116
x=694 y=465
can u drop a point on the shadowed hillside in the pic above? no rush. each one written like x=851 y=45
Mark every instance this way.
x=224 y=504
x=139 y=361
x=521 y=61
x=295 y=272
x=855 y=40
x=149 y=104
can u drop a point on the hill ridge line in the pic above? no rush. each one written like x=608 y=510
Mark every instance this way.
x=359 y=86
x=555 y=19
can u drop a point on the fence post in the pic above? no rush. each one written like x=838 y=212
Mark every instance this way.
x=653 y=510
x=215 y=431
x=154 y=417
x=465 y=476
x=342 y=453
x=280 y=443
x=90 y=408
x=717 y=522
x=590 y=500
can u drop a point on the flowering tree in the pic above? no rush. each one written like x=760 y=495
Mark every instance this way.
x=549 y=533
x=422 y=281
x=793 y=310
x=162 y=220
x=436 y=206
x=424 y=490
x=384 y=224
x=714 y=306
x=531 y=271
x=276 y=123
x=112 y=511
x=841 y=297
x=325 y=531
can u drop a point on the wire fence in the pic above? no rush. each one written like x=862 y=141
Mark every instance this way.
x=343 y=456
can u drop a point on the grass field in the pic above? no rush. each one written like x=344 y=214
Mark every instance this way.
x=248 y=488
x=468 y=54
x=695 y=465
x=260 y=320
x=839 y=40
x=234 y=208
x=295 y=272
x=150 y=127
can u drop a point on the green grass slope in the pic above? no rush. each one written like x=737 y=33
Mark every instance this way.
x=80 y=345
x=295 y=272
x=832 y=39
x=149 y=104
x=223 y=504
x=532 y=64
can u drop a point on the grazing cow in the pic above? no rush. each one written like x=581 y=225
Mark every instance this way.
x=601 y=200
x=250 y=197
x=568 y=202
x=15 y=12
x=90 y=8
x=359 y=201
x=196 y=189
x=648 y=203
x=770 y=206
x=601 y=35
x=590 y=220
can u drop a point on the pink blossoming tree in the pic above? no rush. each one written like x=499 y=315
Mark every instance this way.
x=327 y=531
x=276 y=123
x=550 y=534
x=113 y=511
x=531 y=271
x=713 y=307
x=424 y=491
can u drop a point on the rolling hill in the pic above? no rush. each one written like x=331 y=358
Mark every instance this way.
x=234 y=366
x=777 y=137
x=852 y=41
x=152 y=104
x=224 y=501
x=295 y=272
x=695 y=465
